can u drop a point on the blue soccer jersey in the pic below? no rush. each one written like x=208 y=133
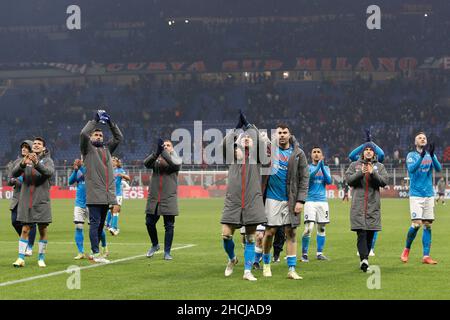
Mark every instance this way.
x=77 y=177
x=118 y=177
x=421 y=174
x=276 y=186
x=319 y=177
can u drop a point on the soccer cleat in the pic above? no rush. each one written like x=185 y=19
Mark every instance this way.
x=364 y=265
x=28 y=252
x=41 y=264
x=230 y=265
x=405 y=255
x=152 y=251
x=167 y=256
x=267 y=272
x=428 y=260
x=293 y=275
x=322 y=257
x=114 y=232
x=80 y=256
x=304 y=258
x=105 y=251
x=19 y=263
x=256 y=266
x=249 y=276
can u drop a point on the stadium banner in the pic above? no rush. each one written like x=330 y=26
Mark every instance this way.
x=199 y=192
x=359 y=64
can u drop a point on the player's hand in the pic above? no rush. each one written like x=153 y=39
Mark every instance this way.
x=160 y=146
x=105 y=118
x=424 y=152
x=240 y=123
x=368 y=135
x=431 y=149
x=298 y=208
x=369 y=168
x=243 y=119
x=364 y=168
x=33 y=158
x=76 y=164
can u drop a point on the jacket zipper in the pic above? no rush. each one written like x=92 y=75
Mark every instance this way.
x=243 y=181
x=106 y=170
x=31 y=188
x=366 y=194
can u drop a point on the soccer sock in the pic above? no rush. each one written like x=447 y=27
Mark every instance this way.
x=115 y=221
x=79 y=239
x=305 y=243
x=374 y=240
x=258 y=254
x=108 y=218
x=320 y=243
x=412 y=232
x=103 y=238
x=266 y=258
x=22 y=248
x=426 y=240
x=42 y=248
x=228 y=245
x=291 y=262
x=249 y=255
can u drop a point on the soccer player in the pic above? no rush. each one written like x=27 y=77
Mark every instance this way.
x=316 y=206
x=80 y=212
x=441 y=190
x=119 y=174
x=420 y=164
x=100 y=186
x=16 y=183
x=243 y=201
x=366 y=176
x=162 y=196
x=34 y=206
x=285 y=191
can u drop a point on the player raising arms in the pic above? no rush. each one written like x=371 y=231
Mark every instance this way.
x=420 y=164
x=244 y=201
x=119 y=174
x=316 y=206
x=285 y=191
x=34 y=206
x=100 y=186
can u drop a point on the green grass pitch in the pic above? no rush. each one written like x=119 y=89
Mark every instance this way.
x=197 y=272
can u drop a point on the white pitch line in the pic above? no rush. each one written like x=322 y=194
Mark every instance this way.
x=68 y=242
x=57 y=273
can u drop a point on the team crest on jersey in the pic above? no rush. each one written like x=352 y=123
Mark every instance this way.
x=414 y=214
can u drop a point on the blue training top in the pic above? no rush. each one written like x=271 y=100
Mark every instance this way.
x=276 y=186
x=117 y=171
x=319 y=177
x=421 y=173
x=77 y=177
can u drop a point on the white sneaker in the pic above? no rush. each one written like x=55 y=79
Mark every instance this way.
x=293 y=275
x=41 y=264
x=249 y=276
x=80 y=256
x=230 y=266
x=19 y=263
x=28 y=252
x=267 y=272
x=100 y=259
x=371 y=253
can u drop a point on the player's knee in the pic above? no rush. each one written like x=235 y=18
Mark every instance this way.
x=308 y=229
x=79 y=225
x=321 y=230
x=427 y=224
x=227 y=237
x=250 y=238
x=416 y=225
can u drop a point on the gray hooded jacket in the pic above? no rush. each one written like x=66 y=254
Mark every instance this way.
x=15 y=182
x=162 y=196
x=365 y=209
x=100 y=184
x=34 y=201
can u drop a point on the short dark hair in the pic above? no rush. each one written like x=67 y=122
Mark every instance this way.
x=316 y=147
x=283 y=125
x=40 y=139
x=96 y=130
x=420 y=132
